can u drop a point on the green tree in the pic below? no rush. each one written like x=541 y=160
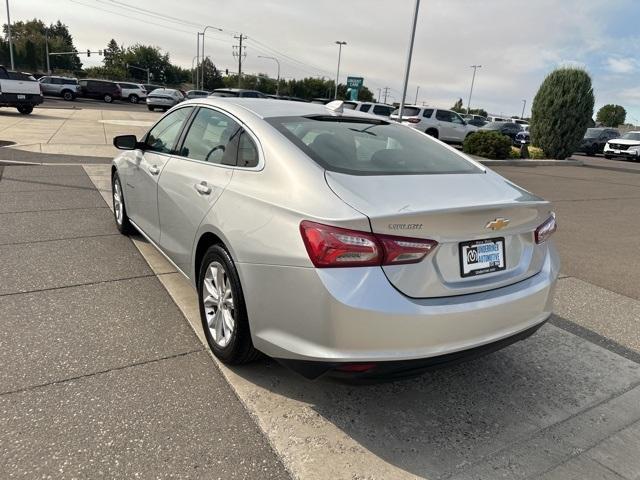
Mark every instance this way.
x=561 y=111
x=611 y=115
x=113 y=55
x=458 y=107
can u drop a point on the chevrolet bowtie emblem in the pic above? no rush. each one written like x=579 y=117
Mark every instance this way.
x=497 y=224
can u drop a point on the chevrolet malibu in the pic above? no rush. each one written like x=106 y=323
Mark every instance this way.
x=335 y=241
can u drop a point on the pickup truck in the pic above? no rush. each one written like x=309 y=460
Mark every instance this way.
x=19 y=90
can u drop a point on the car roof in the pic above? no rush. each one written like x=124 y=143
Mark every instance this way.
x=268 y=108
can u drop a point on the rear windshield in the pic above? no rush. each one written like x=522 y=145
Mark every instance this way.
x=592 y=133
x=407 y=111
x=225 y=94
x=369 y=147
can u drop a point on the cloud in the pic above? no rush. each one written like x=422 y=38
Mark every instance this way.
x=621 y=65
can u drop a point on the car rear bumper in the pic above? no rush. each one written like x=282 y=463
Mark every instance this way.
x=14 y=100
x=347 y=315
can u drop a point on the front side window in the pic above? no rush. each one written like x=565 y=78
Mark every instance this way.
x=369 y=147
x=163 y=136
x=444 y=116
x=365 y=107
x=211 y=138
x=631 y=136
x=45 y=80
x=381 y=110
x=455 y=118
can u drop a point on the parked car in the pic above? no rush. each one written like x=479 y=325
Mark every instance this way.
x=509 y=129
x=237 y=92
x=492 y=118
x=470 y=116
x=522 y=136
x=164 y=98
x=287 y=97
x=627 y=146
x=596 y=138
x=64 y=87
x=191 y=94
x=386 y=228
x=377 y=109
x=100 y=89
x=19 y=90
x=134 y=92
x=445 y=125
x=476 y=122
x=519 y=121
x=150 y=87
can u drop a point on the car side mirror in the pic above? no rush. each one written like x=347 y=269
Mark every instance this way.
x=126 y=142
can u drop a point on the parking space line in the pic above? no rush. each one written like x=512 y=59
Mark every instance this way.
x=581 y=179
x=49 y=210
x=57 y=239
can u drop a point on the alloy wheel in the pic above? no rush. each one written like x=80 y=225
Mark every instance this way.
x=118 y=205
x=218 y=302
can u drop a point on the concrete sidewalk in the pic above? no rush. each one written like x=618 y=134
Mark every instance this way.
x=102 y=376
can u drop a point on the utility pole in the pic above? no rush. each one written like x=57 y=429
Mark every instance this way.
x=386 y=92
x=197 y=82
x=379 y=93
x=524 y=104
x=241 y=54
x=473 y=79
x=340 y=44
x=13 y=67
x=417 y=90
x=46 y=47
x=278 y=80
x=409 y=54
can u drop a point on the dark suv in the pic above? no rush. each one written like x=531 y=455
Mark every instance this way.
x=102 y=89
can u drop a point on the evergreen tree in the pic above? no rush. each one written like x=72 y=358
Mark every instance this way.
x=561 y=112
x=611 y=115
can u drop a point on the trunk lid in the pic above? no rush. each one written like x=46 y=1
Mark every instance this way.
x=451 y=209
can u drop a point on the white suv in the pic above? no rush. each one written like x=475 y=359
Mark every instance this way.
x=377 y=109
x=445 y=125
x=134 y=92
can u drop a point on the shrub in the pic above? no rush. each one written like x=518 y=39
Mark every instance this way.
x=488 y=144
x=561 y=112
x=535 y=153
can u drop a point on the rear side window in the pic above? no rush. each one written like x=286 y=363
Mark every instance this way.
x=369 y=147
x=69 y=81
x=163 y=136
x=382 y=110
x=444 y=116
x=247 y=151
x=212 y=138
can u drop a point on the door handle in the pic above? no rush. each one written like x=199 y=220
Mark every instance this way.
x=202 y=188
x=154 y=170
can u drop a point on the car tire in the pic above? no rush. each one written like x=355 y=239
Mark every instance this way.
x=433 y=132
x=222 y=308
x=119 y=209
x=107 y=98
x=68 y=95
x=25 y=109
x=608 y=157
x=134 y=98
x=151 y=109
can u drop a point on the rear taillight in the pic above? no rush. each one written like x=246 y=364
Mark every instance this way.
x=413 y=120
x=544 y=231
x=330 y=246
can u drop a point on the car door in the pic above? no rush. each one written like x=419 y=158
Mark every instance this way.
x=445 y=125
x=459 y=127
x=145 y=167
x=194 y=179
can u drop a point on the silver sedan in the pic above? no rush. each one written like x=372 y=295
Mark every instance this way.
x=336 y=241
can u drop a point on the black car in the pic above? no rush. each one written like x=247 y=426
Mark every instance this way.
x=509 y=129
x=596 y=138
x=237 y=92
x=100 y=89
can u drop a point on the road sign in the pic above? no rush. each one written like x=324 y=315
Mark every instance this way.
x=355 y=82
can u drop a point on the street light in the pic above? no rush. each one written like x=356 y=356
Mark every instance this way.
x=9 y=35
x=524 y=104
x=340 y=44
x=278 y=62
x=203 y=58
x=473 y=79
x=408 y=66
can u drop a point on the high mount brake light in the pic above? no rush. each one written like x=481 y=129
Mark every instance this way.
x=548 y=228
x=330 y=246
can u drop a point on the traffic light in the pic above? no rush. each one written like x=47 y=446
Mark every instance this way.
x=226 y=71
x=100 y=52
x=88 y=52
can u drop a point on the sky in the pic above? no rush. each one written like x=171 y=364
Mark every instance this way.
x=517 y=42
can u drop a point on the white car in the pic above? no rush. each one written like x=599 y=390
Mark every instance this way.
x=164 y=99
x=627 y=146
x=492 y=118
x=134 y=92
x=445 y=125
x=377 y=109
x=19 y=90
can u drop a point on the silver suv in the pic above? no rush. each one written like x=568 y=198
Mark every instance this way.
x=64 y=87
x=445 y=125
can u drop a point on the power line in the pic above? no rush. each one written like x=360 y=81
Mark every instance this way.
x=240 y=51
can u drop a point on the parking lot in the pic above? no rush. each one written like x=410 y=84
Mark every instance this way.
x=108 y=377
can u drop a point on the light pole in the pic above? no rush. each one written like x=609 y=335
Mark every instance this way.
x=340 y=44
x=197 y=61
x=473 y=79
x=278 y=62
x=417 y=90
x=13 y=67
x=524 y=104
x=202 y=70
x=409 y=54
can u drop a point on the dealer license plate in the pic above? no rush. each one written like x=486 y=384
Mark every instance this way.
x=478 y=257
